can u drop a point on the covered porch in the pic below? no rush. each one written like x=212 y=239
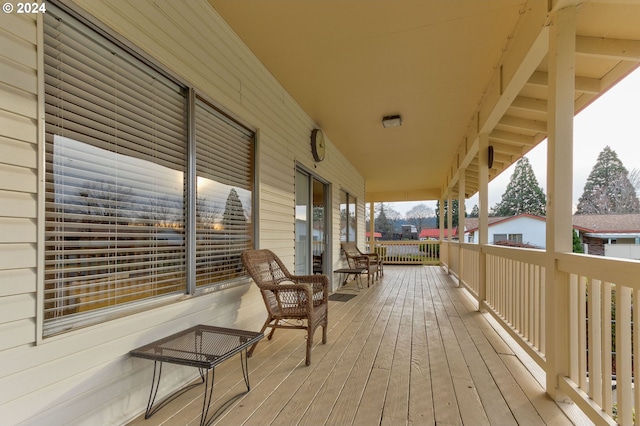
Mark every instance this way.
x=473 y=85
x=555 y=59
x=412 y=349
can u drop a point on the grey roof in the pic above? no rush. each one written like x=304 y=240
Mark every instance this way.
x=607 y=223
x=600 y=223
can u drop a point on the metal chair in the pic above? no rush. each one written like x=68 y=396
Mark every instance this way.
x=287 y=297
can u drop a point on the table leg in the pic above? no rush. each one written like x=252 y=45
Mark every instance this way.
x=206 y=403
x=155 y=385
x=245 y=368
x=356 y=276
x=206 y=398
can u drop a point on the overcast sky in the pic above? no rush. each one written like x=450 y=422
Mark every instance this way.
x=612 y=120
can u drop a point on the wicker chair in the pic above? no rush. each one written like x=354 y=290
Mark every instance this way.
x=357 y=259
x=300 y=298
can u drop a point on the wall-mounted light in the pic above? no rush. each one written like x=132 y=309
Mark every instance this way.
x=391 y=121
x=490 y=156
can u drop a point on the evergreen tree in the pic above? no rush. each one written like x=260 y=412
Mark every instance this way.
x=233 y=216
x=577 y=244
x=608 y=189
x=475 y=211
x=383 y=224
x=523 y=194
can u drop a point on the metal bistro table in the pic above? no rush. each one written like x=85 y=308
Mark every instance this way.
x=356 y=272
x=204 y=347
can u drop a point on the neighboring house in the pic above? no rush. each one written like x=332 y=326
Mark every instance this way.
x=522 y=229
x=615 y=235
x=602 y=235
x=409 y=232
x=376 y=235
x=434 y=234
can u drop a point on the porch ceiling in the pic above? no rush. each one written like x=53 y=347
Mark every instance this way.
x=450 y=69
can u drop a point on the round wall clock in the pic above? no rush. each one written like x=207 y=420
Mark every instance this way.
x=317 y=145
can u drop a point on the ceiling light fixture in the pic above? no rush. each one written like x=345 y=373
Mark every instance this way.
x=391 y=121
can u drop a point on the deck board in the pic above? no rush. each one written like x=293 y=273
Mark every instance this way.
x=411 y=349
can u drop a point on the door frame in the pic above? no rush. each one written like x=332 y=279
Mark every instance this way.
x=328 y=218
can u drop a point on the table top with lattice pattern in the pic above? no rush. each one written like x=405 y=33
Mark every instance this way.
x=201 y=346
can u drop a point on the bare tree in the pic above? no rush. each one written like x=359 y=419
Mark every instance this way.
x=418 y=215
x=207 y=211
x=105 y=199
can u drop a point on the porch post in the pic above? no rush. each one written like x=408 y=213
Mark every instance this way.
x=449 y=215
x=559 y=192
x=442 y=239
x=483 y=218
x=372 y=226
x=449 y=227
x=461 y=211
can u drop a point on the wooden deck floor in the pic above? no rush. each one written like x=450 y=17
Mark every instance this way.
x=409 y=350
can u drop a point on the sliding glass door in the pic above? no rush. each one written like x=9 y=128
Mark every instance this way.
x=312 y=227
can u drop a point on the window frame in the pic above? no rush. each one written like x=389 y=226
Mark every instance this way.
x=48 y=327
x=349 y=200
x=515 y=238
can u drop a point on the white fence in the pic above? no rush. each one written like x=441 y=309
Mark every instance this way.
x=623 y=251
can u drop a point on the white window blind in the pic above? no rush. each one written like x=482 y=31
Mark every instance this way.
x=224 y=169
x=115 y=177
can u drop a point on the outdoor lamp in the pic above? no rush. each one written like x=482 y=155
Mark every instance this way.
x=391 y=121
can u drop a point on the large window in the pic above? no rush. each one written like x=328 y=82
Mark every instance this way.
x=117 y=186
x=348 y=218
x=224 y=168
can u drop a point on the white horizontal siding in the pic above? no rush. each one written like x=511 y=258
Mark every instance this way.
x=19 y=153
x=18 y=101
x=83 y=369
x=17 y=281
x=17 y=230
x=533 y=230
x=17 y=204
x=86 y=376
x=15 y=335
x=17 y=307
x=18 y=181
x=17 y=256
x=18 y=127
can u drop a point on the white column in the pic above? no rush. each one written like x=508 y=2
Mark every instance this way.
x=372 y=226
x=449 y=236
x=441 y=223
x=559 y=192
x=483 y=218
x=442 y=239
x=449 y=215
x=461 y=210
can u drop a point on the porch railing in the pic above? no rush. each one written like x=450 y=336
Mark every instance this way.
x=601 y=338
x=408 y=252
x=515 y=292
